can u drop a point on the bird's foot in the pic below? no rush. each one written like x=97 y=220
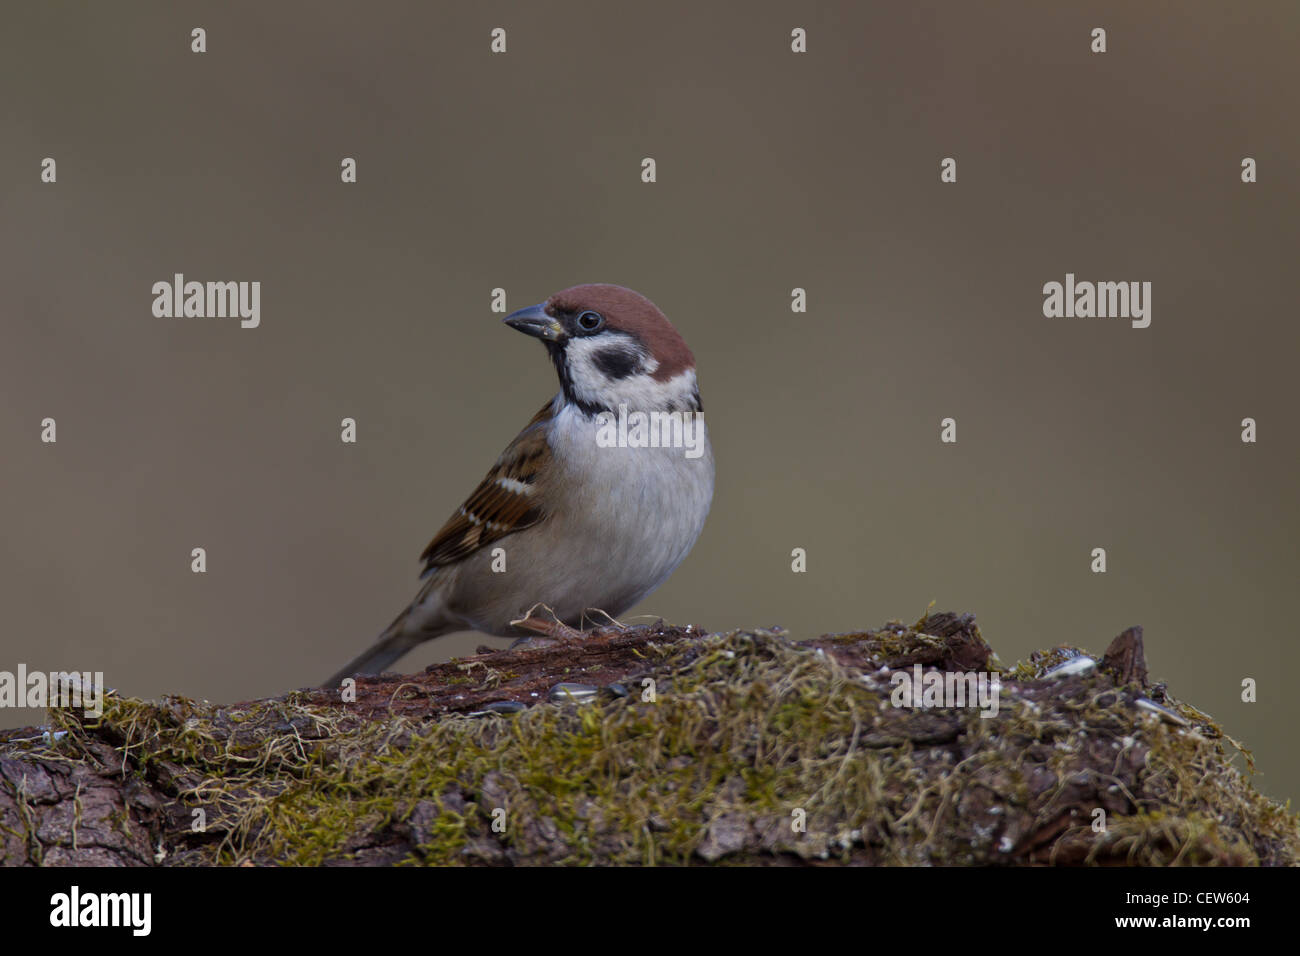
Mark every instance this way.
x=610 y=619
x=553 y=627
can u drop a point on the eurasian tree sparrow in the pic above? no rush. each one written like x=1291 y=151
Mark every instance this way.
x=583 y=526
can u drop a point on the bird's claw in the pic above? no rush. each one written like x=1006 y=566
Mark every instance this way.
x=549 y=628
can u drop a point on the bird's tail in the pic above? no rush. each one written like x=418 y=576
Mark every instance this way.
x=395 y=641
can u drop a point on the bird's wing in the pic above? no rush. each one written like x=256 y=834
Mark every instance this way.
x=504 y=502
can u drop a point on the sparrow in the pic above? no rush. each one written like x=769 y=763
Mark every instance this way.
x=567 y=519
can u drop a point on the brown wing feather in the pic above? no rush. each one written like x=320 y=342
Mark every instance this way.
x=493 y=511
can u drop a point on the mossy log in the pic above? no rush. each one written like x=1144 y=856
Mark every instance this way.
x=664 y=745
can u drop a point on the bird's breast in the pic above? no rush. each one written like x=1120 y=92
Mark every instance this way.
x=639 y=490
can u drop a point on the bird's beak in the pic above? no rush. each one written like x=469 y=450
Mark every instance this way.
x=534 y=321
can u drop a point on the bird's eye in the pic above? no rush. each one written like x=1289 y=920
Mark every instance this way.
x=590 y=321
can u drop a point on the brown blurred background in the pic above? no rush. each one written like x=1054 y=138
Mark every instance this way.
x=775 y=170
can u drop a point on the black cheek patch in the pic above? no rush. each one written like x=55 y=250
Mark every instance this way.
x=616 y=363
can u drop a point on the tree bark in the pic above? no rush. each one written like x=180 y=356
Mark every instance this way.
x=1087 y=765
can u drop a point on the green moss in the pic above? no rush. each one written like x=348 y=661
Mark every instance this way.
x=748 y=734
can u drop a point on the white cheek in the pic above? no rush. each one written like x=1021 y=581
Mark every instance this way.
x=591 y=385
x=639 y=392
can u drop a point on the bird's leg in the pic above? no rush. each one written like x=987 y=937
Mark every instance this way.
x=553 y=628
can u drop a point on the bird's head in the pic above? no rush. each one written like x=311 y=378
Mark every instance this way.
x=613 y=346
